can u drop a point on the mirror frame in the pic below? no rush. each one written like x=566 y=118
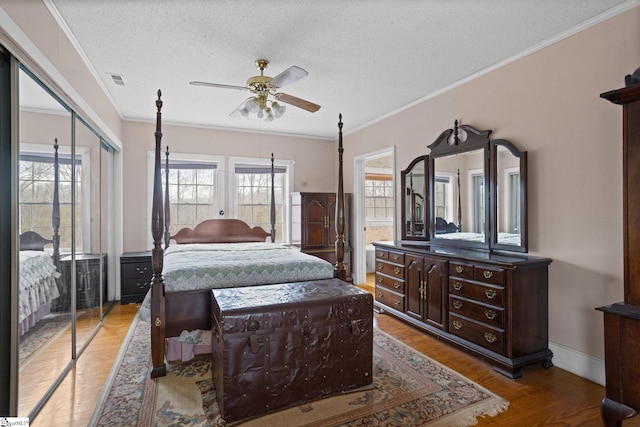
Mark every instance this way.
x=522 y=156
x=427 y=201
x=450 y=142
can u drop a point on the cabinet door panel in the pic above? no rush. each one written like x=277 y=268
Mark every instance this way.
x=436 y=292
x=316 y=220
x=414 y=281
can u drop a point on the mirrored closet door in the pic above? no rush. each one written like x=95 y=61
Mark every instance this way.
x=65 y=175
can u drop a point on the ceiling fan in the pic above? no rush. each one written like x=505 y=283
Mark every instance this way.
x=264 y=88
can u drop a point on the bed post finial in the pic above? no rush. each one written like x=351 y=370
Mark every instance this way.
x=158 y=333
x=273 y=202
x=167 y=204
x=341 y=272
x=456 y=137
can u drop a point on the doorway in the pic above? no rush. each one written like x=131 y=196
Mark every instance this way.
x=373 y=206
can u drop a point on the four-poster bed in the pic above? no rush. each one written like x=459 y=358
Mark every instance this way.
x=219 y=253
x=38 y=269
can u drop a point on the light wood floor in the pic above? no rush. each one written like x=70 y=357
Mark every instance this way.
x=542 y=397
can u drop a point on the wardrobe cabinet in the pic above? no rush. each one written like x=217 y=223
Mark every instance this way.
x=314 y=228
x=493 y=305
x=622 y=319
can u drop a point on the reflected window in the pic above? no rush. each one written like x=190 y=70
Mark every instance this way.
x=478 y=203
x=444 y=196
x=514 y=202
x=36 y=193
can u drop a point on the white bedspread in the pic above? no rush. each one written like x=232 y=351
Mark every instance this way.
x=37 y=283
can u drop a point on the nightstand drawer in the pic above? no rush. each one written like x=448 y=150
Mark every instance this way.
x=136 y=270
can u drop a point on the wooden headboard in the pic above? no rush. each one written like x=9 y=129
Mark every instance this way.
x=221 y=231
x=32 y=241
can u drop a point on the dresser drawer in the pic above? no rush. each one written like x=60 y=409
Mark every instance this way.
x=484 y=336
x=390 y=298
x=396 y=257
x=462 y=270
x=382 y=254
x=493 y=295
x=489 y=274
x=389 y=282
x=489 y=315
x=390 y=269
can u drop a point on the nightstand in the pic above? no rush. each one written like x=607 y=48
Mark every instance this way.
x=135 y=276
x=91 y=275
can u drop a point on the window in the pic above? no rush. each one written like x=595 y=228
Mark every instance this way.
x=379 y=200
x=444 y=197
x=251 y=193
x=37 y=185
x=194 y=190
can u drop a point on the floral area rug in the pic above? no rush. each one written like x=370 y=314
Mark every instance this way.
x=409 y=389
x=37 y=338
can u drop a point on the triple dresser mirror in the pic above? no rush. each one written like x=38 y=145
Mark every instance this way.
x=469 y=192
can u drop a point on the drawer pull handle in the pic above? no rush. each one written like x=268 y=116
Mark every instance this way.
x=380 y=295
x=490 y=337
x=490 y=293
x=457 y=324
x=380 y=254
x=398 y=302
x=396 y=285
x=397 y=270
x=491 y=314
x=459 y=269
x=487 y=274
x=457 y=286
x=396 y=257
x=457 y=304
x=380 y=279
x=380 y=266
x=141 y=271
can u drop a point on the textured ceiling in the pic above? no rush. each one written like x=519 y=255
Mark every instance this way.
x=366 y=59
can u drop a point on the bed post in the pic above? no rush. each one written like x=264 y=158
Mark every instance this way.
x=273 y=203
x=167 y=205
x=341 y=272
x=55 y=209
x=157 y=281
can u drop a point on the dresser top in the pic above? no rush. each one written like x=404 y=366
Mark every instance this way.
x=472 y=255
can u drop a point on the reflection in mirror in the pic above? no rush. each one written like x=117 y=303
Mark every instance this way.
x=415 y=204
x=45 y=205
x=510 y=179
x=459 y=196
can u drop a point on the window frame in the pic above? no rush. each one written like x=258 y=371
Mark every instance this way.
x=201 y=158
x=289 y=165
x=387 y=221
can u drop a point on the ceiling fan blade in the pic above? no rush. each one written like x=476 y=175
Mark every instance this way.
x=288 y=76
x=195 y=83
x=297 y=102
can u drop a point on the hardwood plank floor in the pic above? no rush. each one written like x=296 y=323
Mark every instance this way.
x=542 y=397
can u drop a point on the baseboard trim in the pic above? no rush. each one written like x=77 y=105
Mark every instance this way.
x=578 y=363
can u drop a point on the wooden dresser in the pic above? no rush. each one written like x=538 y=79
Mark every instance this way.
x=494 y=305
x=314 y=228
x=622 y=320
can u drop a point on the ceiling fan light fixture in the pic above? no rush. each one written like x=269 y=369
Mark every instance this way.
x=278 y=109
x=253 y=105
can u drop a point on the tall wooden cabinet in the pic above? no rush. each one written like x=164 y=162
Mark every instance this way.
x=314 y=228
x=622 y=320
x=493 y=305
